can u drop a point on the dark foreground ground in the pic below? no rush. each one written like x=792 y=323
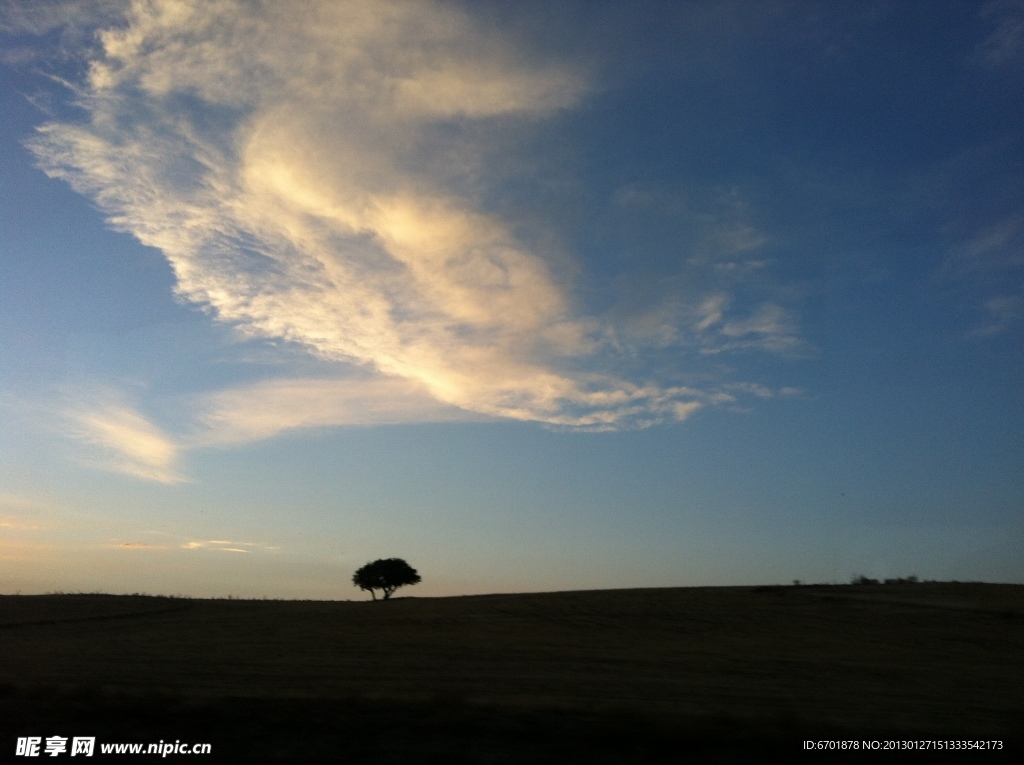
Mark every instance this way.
x=624 y=676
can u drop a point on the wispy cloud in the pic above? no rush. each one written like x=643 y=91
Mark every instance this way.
x=39 y=18
x=24 y=523
x=999 y=245
x=296 y=165
x=224 y=545
x=217 y=545
x=120 y=438
x=262 y=410
x=1000 y=314
x=1005 y=42
x=770 y=327
x=721 y=300
x=988 y=264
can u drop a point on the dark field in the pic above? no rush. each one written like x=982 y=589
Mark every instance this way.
x=659 y=675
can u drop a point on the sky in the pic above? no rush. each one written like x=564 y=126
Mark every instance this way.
x=536 y=296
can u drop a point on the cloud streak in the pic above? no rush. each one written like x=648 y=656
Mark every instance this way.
x=262 y=410
x=218 y=545
x=118 y=437
x=122 y=439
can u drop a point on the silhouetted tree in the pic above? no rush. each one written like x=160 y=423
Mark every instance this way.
x=387 y=575
x=861 y=579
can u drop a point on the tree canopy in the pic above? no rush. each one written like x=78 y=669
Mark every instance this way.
x=387 y=575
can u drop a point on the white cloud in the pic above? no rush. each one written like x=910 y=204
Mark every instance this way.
x=219 y=545
x=225 y=545
x=284 y=157
x=121 y=439
x=262 y=410
x=711 y=310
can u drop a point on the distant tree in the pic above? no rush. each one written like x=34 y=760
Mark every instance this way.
x=386 y=575
x=901 y=580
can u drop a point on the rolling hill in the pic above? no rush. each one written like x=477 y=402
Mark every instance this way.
x=606 y=676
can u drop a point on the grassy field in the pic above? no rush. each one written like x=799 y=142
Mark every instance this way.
x=657 y=675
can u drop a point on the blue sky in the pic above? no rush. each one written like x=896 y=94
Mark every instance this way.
x=537 y=296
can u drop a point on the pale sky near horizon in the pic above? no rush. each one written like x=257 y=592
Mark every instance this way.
x=536 y=296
